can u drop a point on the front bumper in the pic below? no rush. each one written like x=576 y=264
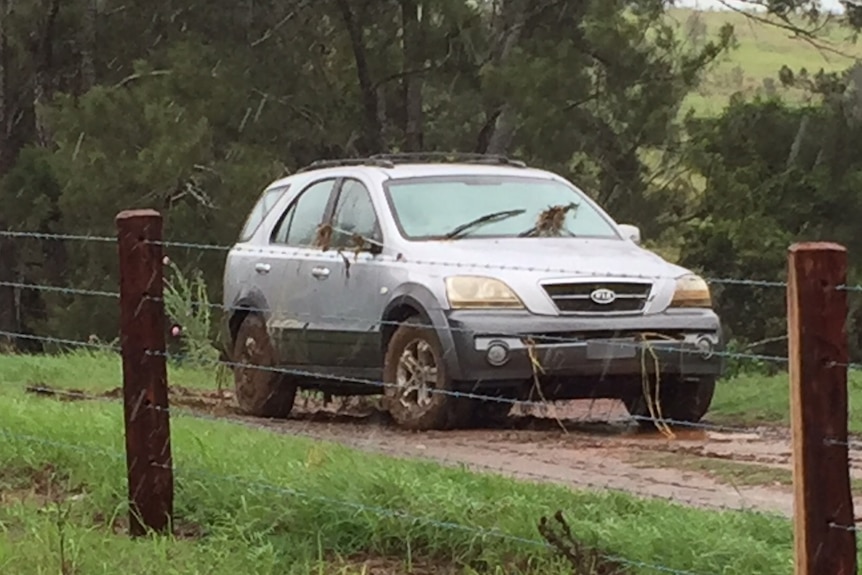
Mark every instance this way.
x=683 y=342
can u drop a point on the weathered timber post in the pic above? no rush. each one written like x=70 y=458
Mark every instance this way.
x=145 y=384
x=825 y=539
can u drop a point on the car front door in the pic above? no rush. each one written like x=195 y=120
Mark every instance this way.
x=350 y=285
x=295 y=305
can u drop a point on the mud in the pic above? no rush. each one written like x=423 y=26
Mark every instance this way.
x=599 y=449
x=582 y=444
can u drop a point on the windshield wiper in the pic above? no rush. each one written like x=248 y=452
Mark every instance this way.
x=488 y=218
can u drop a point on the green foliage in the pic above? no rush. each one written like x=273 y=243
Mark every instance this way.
x=775 y=175
x=210 y=103
x=188 y=307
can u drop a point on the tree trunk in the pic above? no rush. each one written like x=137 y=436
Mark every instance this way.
x=88 y=47
x=5 y=96
x=373 y=128
x=43 y=86
x=7 y=260
x=412 y=82
x=502 y=130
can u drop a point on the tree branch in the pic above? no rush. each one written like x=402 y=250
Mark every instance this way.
x=784 y=23
x=132 y=77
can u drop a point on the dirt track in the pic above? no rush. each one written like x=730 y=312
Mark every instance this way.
x=598 y=449
x=582 y=444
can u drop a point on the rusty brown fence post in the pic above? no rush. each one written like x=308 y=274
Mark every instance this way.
x=825 y=539
x=145 y=385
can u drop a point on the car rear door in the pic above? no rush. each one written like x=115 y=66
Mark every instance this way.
x=294 y=247
x=244 y=286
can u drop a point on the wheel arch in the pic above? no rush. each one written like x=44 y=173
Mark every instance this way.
x=416 y=300
x=249 y=303
x=397 y=312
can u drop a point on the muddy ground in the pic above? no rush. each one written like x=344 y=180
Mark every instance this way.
x=584 y=444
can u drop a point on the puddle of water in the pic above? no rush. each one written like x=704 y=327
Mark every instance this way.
x=678 y=435
x=700 y=435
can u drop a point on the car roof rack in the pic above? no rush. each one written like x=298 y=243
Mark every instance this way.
x=321 y=164
x=390 y=160
x=453 y=157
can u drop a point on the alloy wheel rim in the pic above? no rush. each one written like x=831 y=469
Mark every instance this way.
x=416 y=375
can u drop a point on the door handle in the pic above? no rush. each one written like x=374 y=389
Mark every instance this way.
x=262 y=268
x=320 y=273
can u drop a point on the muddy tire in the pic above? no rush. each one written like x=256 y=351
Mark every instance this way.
x=260 y=391
x=415 y=380
x=680 y=401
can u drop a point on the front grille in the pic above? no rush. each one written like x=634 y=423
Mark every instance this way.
x=578 y=297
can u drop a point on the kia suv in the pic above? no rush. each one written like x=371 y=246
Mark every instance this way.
x=455 y=286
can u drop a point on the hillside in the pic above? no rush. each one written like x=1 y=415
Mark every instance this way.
x=761 y=51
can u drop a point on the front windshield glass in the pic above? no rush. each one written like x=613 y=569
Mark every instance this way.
x=493 y=207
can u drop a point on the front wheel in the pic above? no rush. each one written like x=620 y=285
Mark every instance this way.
x=678 y=401
x=261 y=391
x=417 y=389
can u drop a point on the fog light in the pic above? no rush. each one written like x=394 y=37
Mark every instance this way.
x=705 y=346
x=497 y=354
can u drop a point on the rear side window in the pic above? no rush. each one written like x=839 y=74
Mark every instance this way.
x=267 y=200
x=299 y=224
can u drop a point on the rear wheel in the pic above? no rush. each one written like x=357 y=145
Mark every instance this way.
x=416 y=382
x=260 y=390
x=679 y=401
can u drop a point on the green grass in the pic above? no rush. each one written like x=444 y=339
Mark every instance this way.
x=754 y=399
x=722 y=470
x=761 y=51
x=328 y=501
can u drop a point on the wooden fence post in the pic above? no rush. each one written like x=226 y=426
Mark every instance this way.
x=145 y=386
x=825 y=542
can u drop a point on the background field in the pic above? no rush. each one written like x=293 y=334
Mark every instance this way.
x=762 y=50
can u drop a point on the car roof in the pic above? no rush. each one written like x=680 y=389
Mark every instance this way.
x=430 y=169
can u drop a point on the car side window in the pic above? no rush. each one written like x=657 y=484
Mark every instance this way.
x=354 y=215
x=265 y=203
x=299 y=223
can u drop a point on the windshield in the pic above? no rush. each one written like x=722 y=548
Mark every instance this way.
x=493 y=207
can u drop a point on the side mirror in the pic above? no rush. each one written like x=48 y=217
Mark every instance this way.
x=631 y=232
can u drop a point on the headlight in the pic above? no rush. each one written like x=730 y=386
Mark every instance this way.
x=466 y=292
x=691 y=291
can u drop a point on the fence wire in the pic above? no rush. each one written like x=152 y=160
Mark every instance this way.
x=370 y=445
x=207 y=247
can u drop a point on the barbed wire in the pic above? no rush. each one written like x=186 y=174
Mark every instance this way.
x=544 y=338
x=445 y=392
x=178 y=357
x=281 y=252
x=398 y=514
x=355 y=380
x=181 y=470
x=57 y=237
x=462 y=265
x=369 y=446
x=60 y=341
x=642 y=346
x=60 y=289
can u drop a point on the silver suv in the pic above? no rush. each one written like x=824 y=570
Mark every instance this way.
x=435 y=281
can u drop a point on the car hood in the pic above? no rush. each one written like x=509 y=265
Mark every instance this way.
x=556 y=256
